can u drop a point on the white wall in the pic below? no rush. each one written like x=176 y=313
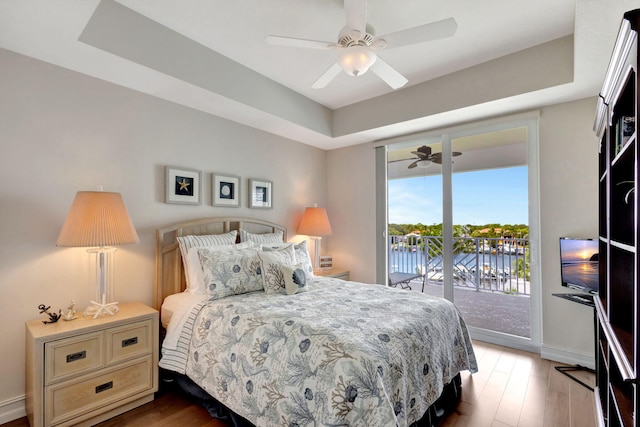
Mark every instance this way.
x=568 y=207
x=61 y=132
x=351 y=181
x=568 y=203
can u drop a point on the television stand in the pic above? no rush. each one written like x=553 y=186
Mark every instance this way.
x=584 y=299
x=564 y=370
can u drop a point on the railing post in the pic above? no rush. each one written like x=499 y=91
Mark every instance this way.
x=477 y=269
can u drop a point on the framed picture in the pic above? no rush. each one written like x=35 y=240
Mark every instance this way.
x=260 y=194
x=225 y=190
x=183 y=185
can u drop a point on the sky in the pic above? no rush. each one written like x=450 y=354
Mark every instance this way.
x=578 y=249
x=479 y=197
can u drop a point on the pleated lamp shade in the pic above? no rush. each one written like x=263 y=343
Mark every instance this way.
x=97 y=219
x=315 y=222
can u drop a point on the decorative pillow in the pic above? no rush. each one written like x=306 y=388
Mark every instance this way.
x=230 y=272
x=295 y=280
x=301 y=252
x=277 y=237
x=270 y=261
x=188 y=242
x=193 y=270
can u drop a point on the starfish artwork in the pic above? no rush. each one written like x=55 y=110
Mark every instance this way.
x=184 y=186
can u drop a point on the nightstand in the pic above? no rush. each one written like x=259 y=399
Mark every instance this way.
x=335 y=272
x=87 y=370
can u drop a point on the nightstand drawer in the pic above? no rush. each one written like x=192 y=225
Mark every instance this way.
x=72 y=356
x=72 y=399
x=129 y=341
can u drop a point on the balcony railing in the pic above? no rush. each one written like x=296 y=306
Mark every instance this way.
x=491 y=264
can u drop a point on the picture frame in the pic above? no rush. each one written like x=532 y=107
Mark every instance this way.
x=183 y=186
x=260 y=194
x=225 y=190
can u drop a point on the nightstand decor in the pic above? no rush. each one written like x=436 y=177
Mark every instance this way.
x=315 y=224
x=99 y=220
x=53 y=317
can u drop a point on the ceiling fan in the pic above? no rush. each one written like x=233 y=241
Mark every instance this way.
x=424 y=157
x=357 y=45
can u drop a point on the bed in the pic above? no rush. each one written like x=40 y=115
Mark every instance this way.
x=302 y=350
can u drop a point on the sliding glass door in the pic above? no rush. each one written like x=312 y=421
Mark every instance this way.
x=460 y=219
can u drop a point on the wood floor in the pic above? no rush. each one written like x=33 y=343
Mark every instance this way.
x=511 y=388
x=517 y=388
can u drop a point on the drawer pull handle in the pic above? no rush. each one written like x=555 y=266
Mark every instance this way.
x=76 y=356
x=129 y=341
x=104 y=387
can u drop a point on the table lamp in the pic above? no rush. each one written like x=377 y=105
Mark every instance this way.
x=315 y=224
x=99 y=220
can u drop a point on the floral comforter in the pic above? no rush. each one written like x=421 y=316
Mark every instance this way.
x=342 y=353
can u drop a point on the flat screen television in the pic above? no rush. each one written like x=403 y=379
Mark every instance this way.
x=579 y=264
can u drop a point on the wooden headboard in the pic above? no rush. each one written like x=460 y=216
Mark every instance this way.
x=169 y=270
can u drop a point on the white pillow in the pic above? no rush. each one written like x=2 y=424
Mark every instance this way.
x=188 y=242
x=295 y=280
x=301 y=252
x=277 y=237
x=271 y=263
x=193 y=269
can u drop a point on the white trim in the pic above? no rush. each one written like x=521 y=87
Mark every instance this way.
x=12 y=409
x=447 y=217
x=598 y=407
x=535 y=270
x=505 y=340
x=382 y=273
x=565 y=356
x=459 y=130
x=530 y=120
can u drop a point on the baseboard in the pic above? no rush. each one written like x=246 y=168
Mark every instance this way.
x=498 y=338
x=568 y=357
x=546 y=352
x=12 y=409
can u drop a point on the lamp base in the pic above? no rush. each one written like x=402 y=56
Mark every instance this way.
x=316 y=253
x=97 y=309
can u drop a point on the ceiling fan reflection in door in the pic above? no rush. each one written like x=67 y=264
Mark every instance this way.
x=357 y=46
x=425 y=158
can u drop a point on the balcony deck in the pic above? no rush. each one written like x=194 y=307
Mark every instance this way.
x=497 y=311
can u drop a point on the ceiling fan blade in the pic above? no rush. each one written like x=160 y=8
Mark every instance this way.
x=356 y=11
x=422 y=33
x=401 y=160
x=414 y=164
x=388 y=74
x=422 y=151
x=293 y=42
x=328 y=75
x=437 y=157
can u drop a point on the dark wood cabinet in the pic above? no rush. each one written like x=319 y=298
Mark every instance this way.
x=617 y=326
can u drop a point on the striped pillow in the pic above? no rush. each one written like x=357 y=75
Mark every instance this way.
x=277 y=237
x=188 y=242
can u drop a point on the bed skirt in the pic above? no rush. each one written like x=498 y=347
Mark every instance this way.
x=437 y=412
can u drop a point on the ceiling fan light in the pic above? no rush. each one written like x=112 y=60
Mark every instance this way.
x=423 y=163
x=356 y=60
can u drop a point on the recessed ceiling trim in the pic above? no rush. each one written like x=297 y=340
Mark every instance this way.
x=125 y=33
